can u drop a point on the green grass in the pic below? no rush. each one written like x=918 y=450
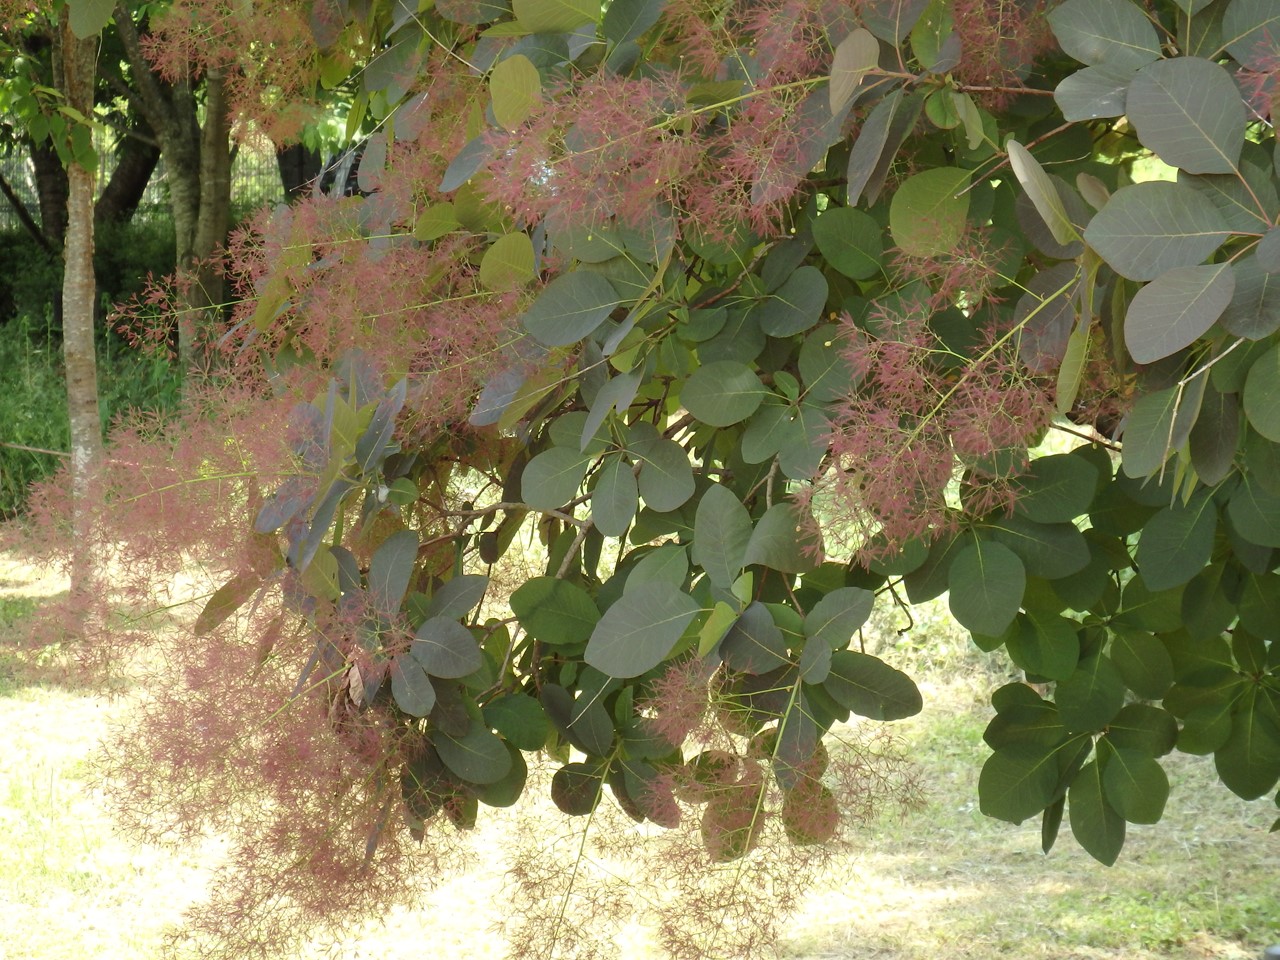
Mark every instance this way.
x=33 y=403
x=941 y=882
x=949 y=882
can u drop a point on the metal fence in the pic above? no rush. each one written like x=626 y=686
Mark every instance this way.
x=255 y=180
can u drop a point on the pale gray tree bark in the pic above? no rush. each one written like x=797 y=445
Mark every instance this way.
x=79 y=291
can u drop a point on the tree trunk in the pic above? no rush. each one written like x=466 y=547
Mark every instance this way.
x=299 y=166
x=215 y=210
x=198 y=168
x=135 y=164
x=79 y=59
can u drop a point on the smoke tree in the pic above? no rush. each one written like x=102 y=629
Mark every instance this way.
x=753 y=315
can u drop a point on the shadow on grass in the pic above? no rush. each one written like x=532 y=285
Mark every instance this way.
x=37 y=650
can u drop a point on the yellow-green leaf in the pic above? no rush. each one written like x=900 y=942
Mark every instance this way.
x=507 y=263
x=434 y=222
x=927 y=214
x=516 y=88
x=555 y=16
x=854 y=56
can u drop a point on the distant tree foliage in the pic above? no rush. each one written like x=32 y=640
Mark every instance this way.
x=753 y=314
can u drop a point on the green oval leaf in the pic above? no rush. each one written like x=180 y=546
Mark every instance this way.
x=778 y=542
x=515 y=88
x=927 y=214
x=555 y=16
x=1056 y=489
x=1159 y=424
x=629 y=19
x=226 y=600
x=1176 y=309
x=1093 y=93
x=1254 y=311
x=1140 y=726
x=1188 y=111
x=640 y=630
x=445 y=648
x=88 y=17
x=570 y=307
x=1042 y=193
x=615 y=497
x=520 y=719
x=1135 y=785
x=668 y=564
x=390 y=569
x=824 y=368
x=1044 y=646
x=856 y=54
x=457 y=597
x=1143 y=661
x=1018 y=783
x=754 y=644
x=411 y=687
x=576 y=788
x=1177 y=542
x=795 y=306
x=666 y=476
x=769 y=428
x=555 y=611
x=879 y=138
x=1147 y=229
x=871 y=688
x=478 y=756
x=1251 y=29
x=1090 y=697
x=1249 y=762
x=986 y=581
x=1255 y=512
x=505 y=791
x=722 y=393
x=508 y=263
x=892 y=20
x=1094 y=822
x=1103 y=31
x=551 y=479
x=722 y=530
x=1262 y=394
x=838 y=616
x=851 y=241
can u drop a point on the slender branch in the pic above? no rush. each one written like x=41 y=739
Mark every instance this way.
x=23 y=446
x=1207 y=365
x=24 y=215
x=978 y=88
x=573 y=549
x=1094 y=437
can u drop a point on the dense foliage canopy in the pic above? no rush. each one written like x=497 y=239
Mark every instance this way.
x=753 y=314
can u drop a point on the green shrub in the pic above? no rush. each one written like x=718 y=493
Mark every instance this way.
x=125 y=255
x=30 y=280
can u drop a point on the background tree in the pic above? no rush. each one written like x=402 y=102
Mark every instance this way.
x=754 y=316
x=76 y=50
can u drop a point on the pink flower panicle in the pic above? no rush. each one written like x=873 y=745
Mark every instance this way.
x=920 y=414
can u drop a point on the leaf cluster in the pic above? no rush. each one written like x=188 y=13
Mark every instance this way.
x=753 y=387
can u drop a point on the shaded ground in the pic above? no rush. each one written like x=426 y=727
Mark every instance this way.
x=945 y=882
